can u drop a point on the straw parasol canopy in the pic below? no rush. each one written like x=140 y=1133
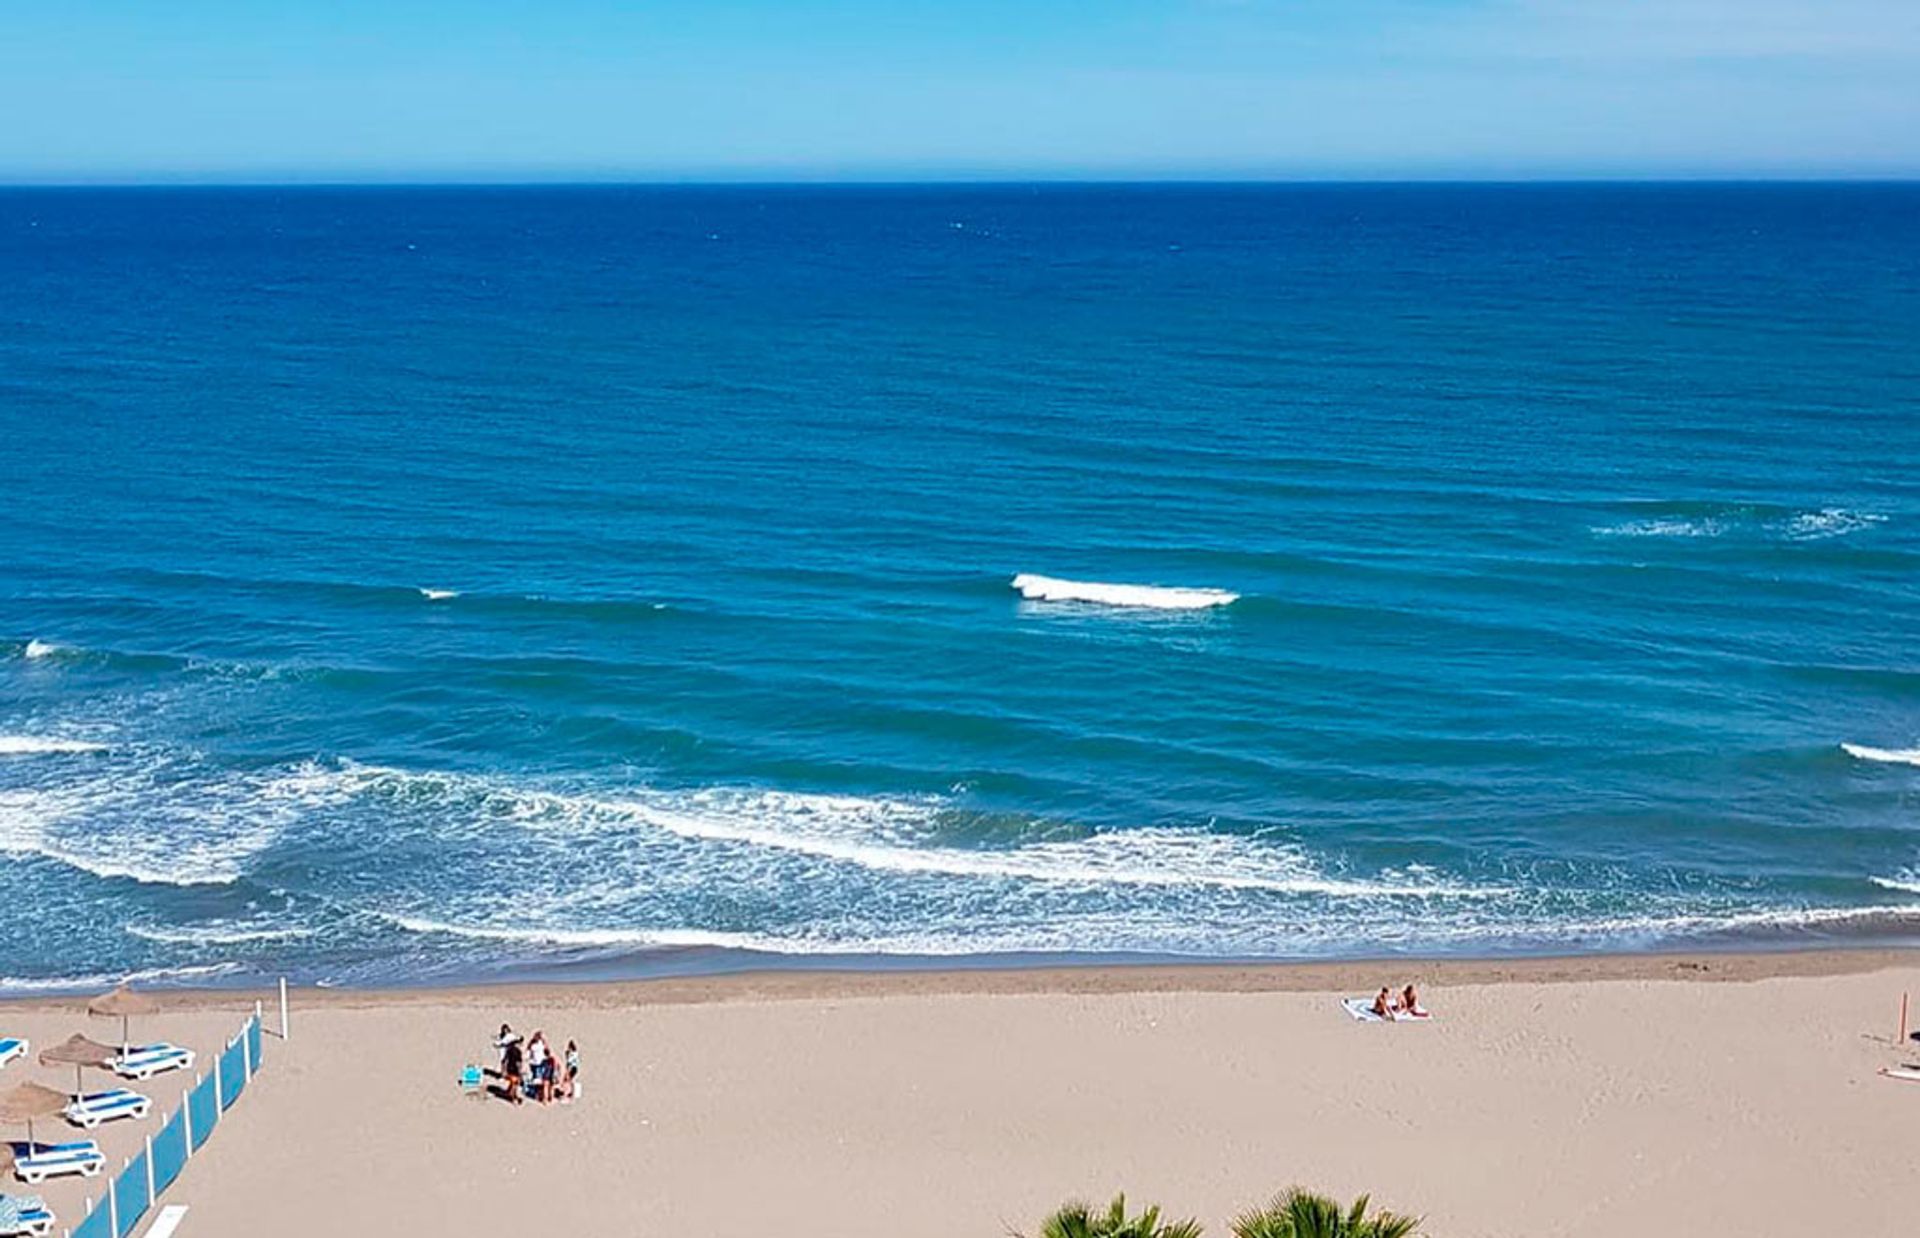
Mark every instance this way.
x=23 y=1102
x=77 y=1051
x=122 y=1004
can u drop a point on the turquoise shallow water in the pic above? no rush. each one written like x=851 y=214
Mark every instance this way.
x=407 y=584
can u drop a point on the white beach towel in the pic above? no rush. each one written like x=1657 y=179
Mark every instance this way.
x=1909 y=1073
x=1361 y=1008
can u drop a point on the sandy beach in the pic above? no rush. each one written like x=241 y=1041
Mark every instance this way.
x=1563 y=1097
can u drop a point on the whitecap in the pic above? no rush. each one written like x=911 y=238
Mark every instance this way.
x=41 y=649
x=1889 y=756
x=439 y=595
x=1830 y=522
x=1907 y=881
x=1662 y=528
x=34 y=745
x=1152 y=597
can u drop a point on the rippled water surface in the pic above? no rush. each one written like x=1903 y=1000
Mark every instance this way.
x=402 y=584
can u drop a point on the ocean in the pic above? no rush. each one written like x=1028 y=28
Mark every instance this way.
x=407 y=585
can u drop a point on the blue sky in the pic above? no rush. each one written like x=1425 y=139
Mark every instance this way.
x=861 y=89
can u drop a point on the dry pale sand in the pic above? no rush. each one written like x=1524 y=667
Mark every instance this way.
x=1592 y=1097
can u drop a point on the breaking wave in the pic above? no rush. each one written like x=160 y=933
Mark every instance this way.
x=1151 y=597
x=1907 y=881
x=1886 y=756
x=886 y=835
x=94 y=981
x=156 y=818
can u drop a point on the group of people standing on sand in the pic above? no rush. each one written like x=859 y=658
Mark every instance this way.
x=1405 y=1006
x=532 y=1069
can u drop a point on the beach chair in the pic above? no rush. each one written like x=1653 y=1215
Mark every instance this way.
x=12 y=1047
x=54 y=1160
x=24 y=1214
x=94 y=1108
x=146 y=1061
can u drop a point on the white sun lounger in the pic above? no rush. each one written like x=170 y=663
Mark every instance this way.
x=12 y=1047
x=94 y=1108
x=24 y=1214
x=52 y=1160
x=146 y=1061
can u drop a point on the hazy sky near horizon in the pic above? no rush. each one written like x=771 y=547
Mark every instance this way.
x=832 y=89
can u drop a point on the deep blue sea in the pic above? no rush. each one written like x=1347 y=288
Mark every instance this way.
x=405 y=584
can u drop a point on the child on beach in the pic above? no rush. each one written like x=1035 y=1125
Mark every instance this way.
x=572 y=1084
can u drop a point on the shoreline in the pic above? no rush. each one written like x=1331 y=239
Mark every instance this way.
x=945 y=978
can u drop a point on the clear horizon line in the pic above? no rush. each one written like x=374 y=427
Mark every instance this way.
x=195 y=181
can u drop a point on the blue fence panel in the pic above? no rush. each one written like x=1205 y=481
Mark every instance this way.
x=170 y=1151
x=254 y=1040
x=233 y=1072
x=97 y=1225
x=130 y=1194
x=205 y=1111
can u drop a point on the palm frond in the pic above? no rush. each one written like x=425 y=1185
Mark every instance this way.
x=1299 y=1213
x=1078 y=1220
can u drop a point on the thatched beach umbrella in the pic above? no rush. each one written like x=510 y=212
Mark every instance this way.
x=77 y=1051
x=122 y=1004
x=23 y=1102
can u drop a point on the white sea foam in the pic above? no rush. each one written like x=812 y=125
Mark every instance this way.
x=1889 y=756
x=895 y=835
x=1907 y=881
x=1152 y=597
x=587 y=938
x=1807 y=526
x=35 y=745
x=1649 y=925
x=153 y=817
x=1662 y=528
x=1145 y=931
x=1830 y=522
x=41 y=649
x=439 y=595
x=213 y=934
x=94 y=981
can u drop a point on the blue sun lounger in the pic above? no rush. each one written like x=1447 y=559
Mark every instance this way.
x=24 y=1214
x=146 y=1061
x=53 y=1160
x=12 y=1047
x=94 y=1108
